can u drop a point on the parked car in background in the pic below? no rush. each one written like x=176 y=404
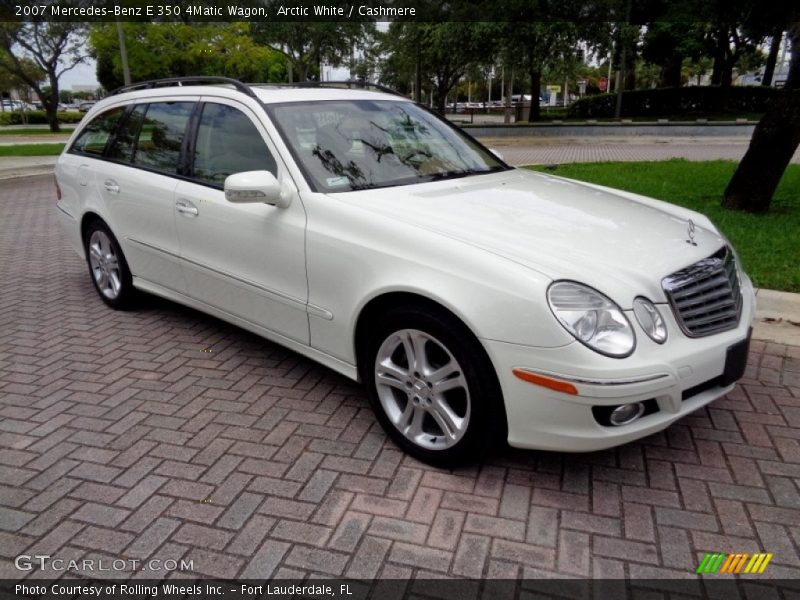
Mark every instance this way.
x=85 y=106
x=475 y=301
x=16 y=105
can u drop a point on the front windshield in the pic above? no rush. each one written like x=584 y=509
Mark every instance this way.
x=345 y=145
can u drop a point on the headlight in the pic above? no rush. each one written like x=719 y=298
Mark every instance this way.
x=650 y=320
x=593 y=319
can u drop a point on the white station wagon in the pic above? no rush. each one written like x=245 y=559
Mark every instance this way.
x=474 y=300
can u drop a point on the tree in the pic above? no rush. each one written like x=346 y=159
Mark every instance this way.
x=774 y=142
x=532 y=46
x=733 y=29
x=9 y=81
x=307 y=44
x=364 y=62
x=772 y=57
x=175 y=49
x=53 y=47
x=435 y=54
x=667 y=44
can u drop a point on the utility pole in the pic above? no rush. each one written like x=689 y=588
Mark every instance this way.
x=622 y=61
x=123 y=51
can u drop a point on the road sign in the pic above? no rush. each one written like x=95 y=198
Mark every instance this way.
x=555 y=89
x=602 y=84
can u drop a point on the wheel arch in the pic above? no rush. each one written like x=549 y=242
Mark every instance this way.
x=371 y=312
x=378 y=305
x=87 y=219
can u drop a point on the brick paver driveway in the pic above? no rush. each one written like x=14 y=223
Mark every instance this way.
x=166 y=433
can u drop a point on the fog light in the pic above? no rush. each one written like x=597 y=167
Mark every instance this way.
x=625 y=414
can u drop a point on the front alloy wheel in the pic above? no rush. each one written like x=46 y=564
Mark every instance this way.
x=432 y=385
x=422 y=389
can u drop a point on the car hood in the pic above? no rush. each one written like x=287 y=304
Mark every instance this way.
x=621 y=244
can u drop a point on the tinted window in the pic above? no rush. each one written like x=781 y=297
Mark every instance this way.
x=228 y=142
x=161 y=135
x=93 y=138
x=125 y=144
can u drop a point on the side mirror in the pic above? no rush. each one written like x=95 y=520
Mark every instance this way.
x=255 y=187
x=496 y=153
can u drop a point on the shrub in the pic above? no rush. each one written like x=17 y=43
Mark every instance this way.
x=665 y=102
x=37 y=117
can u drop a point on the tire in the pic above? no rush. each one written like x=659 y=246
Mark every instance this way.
x=446 y=409
x=108 y=268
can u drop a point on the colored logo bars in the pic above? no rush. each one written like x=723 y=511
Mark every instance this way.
x=718 y=562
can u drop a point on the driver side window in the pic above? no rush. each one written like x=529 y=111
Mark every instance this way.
x=227 y=143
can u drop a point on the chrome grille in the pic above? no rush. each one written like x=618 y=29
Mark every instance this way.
x=706 y=297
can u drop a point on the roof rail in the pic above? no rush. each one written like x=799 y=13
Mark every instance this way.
x=348 y=83
x=182 y=81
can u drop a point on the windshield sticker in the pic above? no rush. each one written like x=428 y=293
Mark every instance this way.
x=337 y=181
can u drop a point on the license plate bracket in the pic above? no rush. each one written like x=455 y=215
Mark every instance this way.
x=736 y=361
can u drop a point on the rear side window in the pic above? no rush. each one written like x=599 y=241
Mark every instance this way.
x=93 y=138
x=227 y=143
x=161 y=134
x=125 y=144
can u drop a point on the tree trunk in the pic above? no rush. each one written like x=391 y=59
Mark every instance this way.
x=536 y=84
x=727 y=74
x=441 y=99
x=774 y=142
x=418 y=77
x=716 y=71
x=508 y=76
x=671 y=72
x=302 y=71
x=772 y=59
x=51 y=103
x=719 y=57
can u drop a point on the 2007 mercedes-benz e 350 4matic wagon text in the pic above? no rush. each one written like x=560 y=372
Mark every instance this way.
x=474 y=300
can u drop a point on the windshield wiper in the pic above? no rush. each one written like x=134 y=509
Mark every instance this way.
x=457 y=174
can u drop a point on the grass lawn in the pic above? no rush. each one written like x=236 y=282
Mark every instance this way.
x=32 y=149
x=768 y=245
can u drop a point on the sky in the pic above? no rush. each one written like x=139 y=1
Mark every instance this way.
x=83 y=74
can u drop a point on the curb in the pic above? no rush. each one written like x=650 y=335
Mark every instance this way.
x=680 y=129
x=13 y=167
x=777 y=317
x=6 y=174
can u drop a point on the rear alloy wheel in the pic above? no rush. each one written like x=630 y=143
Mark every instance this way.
x=108 y=267
x=432 y=387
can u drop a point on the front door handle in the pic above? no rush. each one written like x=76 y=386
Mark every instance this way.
x=186 y=208
x=112 y=187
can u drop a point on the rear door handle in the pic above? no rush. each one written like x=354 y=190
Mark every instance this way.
x=186 y=208
x=112 y=187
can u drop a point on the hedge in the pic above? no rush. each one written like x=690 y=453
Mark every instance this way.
x=37 y=117
x=666 y=102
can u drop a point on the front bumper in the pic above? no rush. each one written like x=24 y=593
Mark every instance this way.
x=545 y=419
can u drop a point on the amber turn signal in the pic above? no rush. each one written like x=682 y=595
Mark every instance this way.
x=548 y=382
